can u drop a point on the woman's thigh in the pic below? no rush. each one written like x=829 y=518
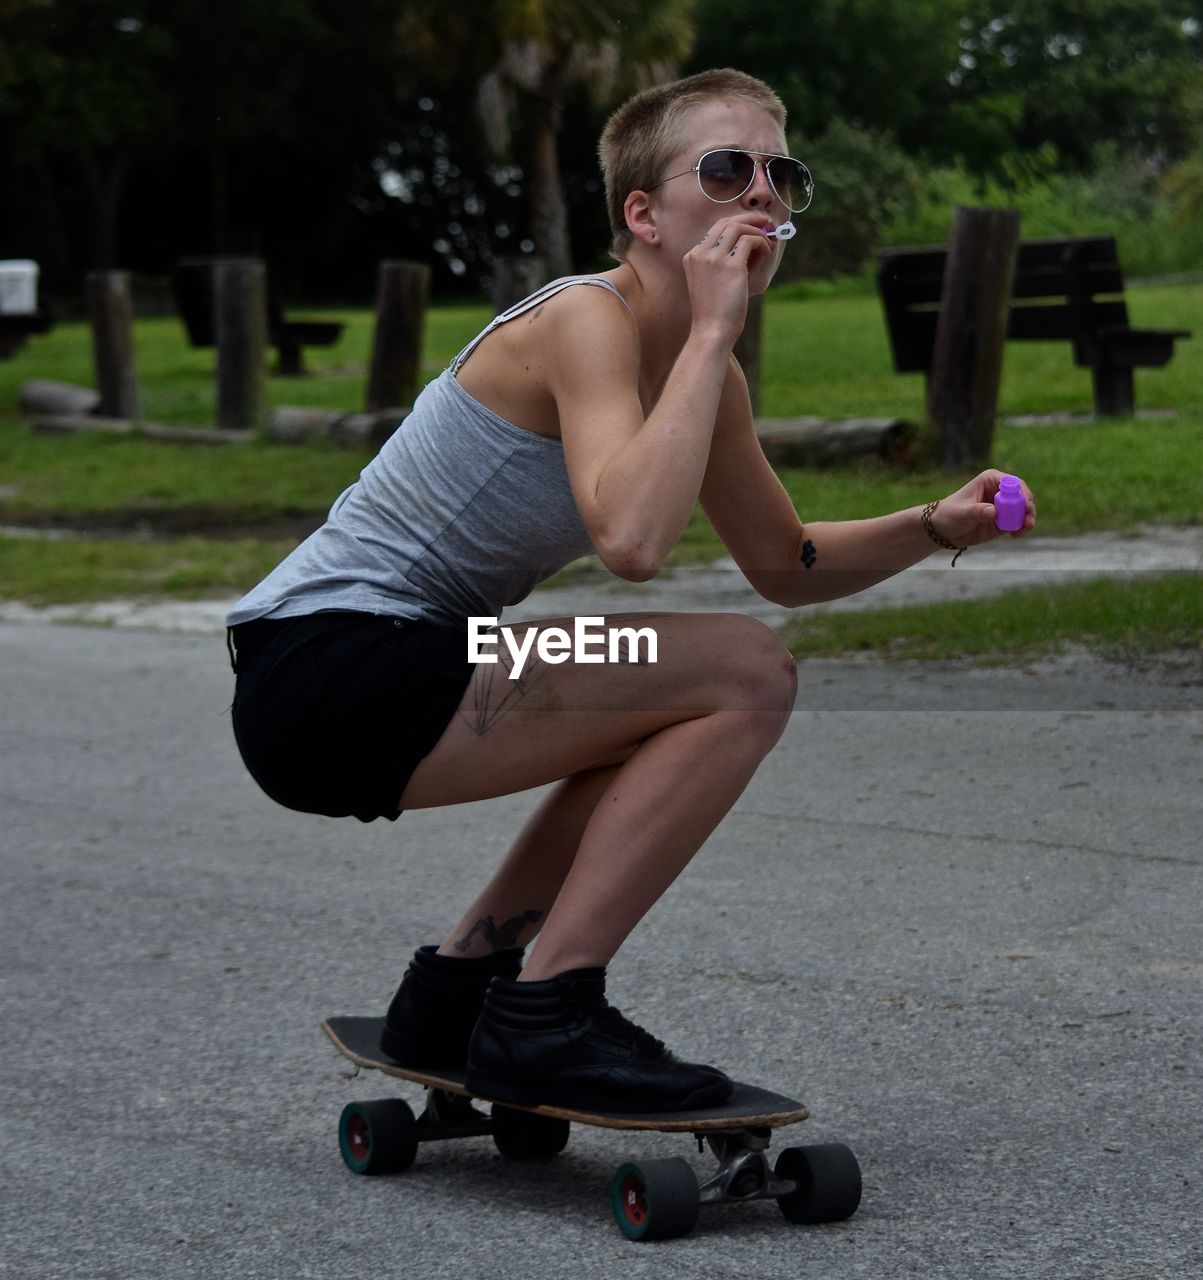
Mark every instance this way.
x=555 y=719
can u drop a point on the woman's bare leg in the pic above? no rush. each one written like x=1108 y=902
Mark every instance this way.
x=512 y=907
x=689 y=732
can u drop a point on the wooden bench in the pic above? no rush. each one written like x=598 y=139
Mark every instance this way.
x=15 y=330
x=192 y=289
x=1065 y=290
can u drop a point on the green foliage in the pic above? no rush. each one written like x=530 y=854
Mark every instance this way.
x=80 y=78
x=880 y=64
x=246 y=110
x=1151 y=215
x=869 y=194
x=327 y=136
x=1183 y=188
x=1072 y=73
x=1085 y=116
x=524 y=66
x=865 y=184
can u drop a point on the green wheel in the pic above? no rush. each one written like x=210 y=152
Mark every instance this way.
x=828 y=1183
x=525 y=1135
x=655 y=1200
x=378 y=1137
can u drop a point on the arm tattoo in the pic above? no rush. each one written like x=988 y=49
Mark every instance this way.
x=809 y=554
x=499 y=937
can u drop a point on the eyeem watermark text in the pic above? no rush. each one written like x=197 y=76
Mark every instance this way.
x=590 y=640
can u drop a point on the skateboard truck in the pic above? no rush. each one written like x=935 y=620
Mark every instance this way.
x=743 y=1168
x=451 y=1115
x=660 y=1199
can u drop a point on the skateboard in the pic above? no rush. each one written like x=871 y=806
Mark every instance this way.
x=650 y=1199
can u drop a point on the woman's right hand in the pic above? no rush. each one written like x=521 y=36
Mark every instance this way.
x=716 y=271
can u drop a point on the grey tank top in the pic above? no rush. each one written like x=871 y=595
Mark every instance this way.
x=460 y=514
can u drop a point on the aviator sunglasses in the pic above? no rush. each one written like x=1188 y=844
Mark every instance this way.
x=726 y=174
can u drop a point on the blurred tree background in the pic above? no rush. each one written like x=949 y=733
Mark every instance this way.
x=326 y=136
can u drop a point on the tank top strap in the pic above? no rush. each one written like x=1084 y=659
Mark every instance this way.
x=528 y=304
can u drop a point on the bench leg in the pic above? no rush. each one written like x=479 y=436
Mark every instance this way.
x=1114 y=391
x=291 y=361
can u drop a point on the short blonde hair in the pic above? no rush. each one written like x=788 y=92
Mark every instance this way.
x=641 y=136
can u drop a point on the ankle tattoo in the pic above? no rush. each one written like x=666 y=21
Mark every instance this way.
x=499 y=937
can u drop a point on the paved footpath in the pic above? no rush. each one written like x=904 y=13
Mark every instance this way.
x=957 y=912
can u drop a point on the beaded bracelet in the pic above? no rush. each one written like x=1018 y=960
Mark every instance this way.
x=928 y=511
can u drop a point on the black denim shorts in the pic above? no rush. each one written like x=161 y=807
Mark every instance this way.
x=333 y=711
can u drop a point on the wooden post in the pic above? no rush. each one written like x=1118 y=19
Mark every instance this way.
x=515 y=279
x=401 y=293
x=112 y=314
x=962 y=394
x=240 y=314
x=747 y=349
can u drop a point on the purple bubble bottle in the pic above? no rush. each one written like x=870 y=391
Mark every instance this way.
x=1010 y=506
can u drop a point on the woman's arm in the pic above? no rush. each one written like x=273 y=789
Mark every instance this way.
x=792 y=563
x=636 y=480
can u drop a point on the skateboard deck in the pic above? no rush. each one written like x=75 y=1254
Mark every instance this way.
x=650 y=1199
x=748 y=1108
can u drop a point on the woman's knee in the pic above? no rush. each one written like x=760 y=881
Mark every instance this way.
x=761 y=677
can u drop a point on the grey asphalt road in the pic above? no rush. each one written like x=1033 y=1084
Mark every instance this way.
x=957 y=912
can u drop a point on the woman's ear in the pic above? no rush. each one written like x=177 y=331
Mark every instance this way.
x=640 y=216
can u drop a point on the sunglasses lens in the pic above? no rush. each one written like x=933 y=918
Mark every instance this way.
x=792 y=182
x=725 y=175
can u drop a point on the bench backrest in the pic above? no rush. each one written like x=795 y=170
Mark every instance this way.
x=1065 y=289
x=192 y=291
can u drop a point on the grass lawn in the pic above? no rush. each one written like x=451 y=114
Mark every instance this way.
x=823 y=355
x=1131 y=619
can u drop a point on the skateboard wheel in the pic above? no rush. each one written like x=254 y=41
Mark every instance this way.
x=525 y=1135
x=655 y=1200
x=378 y=1137
x=828 y=1183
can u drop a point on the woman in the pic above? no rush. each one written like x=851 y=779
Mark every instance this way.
x=586 y=419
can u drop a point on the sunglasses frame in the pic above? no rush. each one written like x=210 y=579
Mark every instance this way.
x=763 y=162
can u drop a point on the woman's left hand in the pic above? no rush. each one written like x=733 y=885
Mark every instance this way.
x=966 y=517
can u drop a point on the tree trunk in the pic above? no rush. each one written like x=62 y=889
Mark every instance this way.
x=548 y=212
x=516 y=278
x=218 y=193
x=104 y=183
x=54 y=254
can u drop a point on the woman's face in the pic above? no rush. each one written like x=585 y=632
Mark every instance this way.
x=684 y=214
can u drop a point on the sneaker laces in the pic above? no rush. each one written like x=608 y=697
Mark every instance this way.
x=611 y=1020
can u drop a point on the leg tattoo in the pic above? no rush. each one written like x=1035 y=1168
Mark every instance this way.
x=495 y=694
x=499 y=937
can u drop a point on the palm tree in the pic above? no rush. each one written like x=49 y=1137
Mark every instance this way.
x=538 y=52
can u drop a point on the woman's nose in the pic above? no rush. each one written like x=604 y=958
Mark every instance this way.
x=760 y=194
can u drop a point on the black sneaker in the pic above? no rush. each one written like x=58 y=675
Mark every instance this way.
x=560 y=1043
x=430 y=1019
